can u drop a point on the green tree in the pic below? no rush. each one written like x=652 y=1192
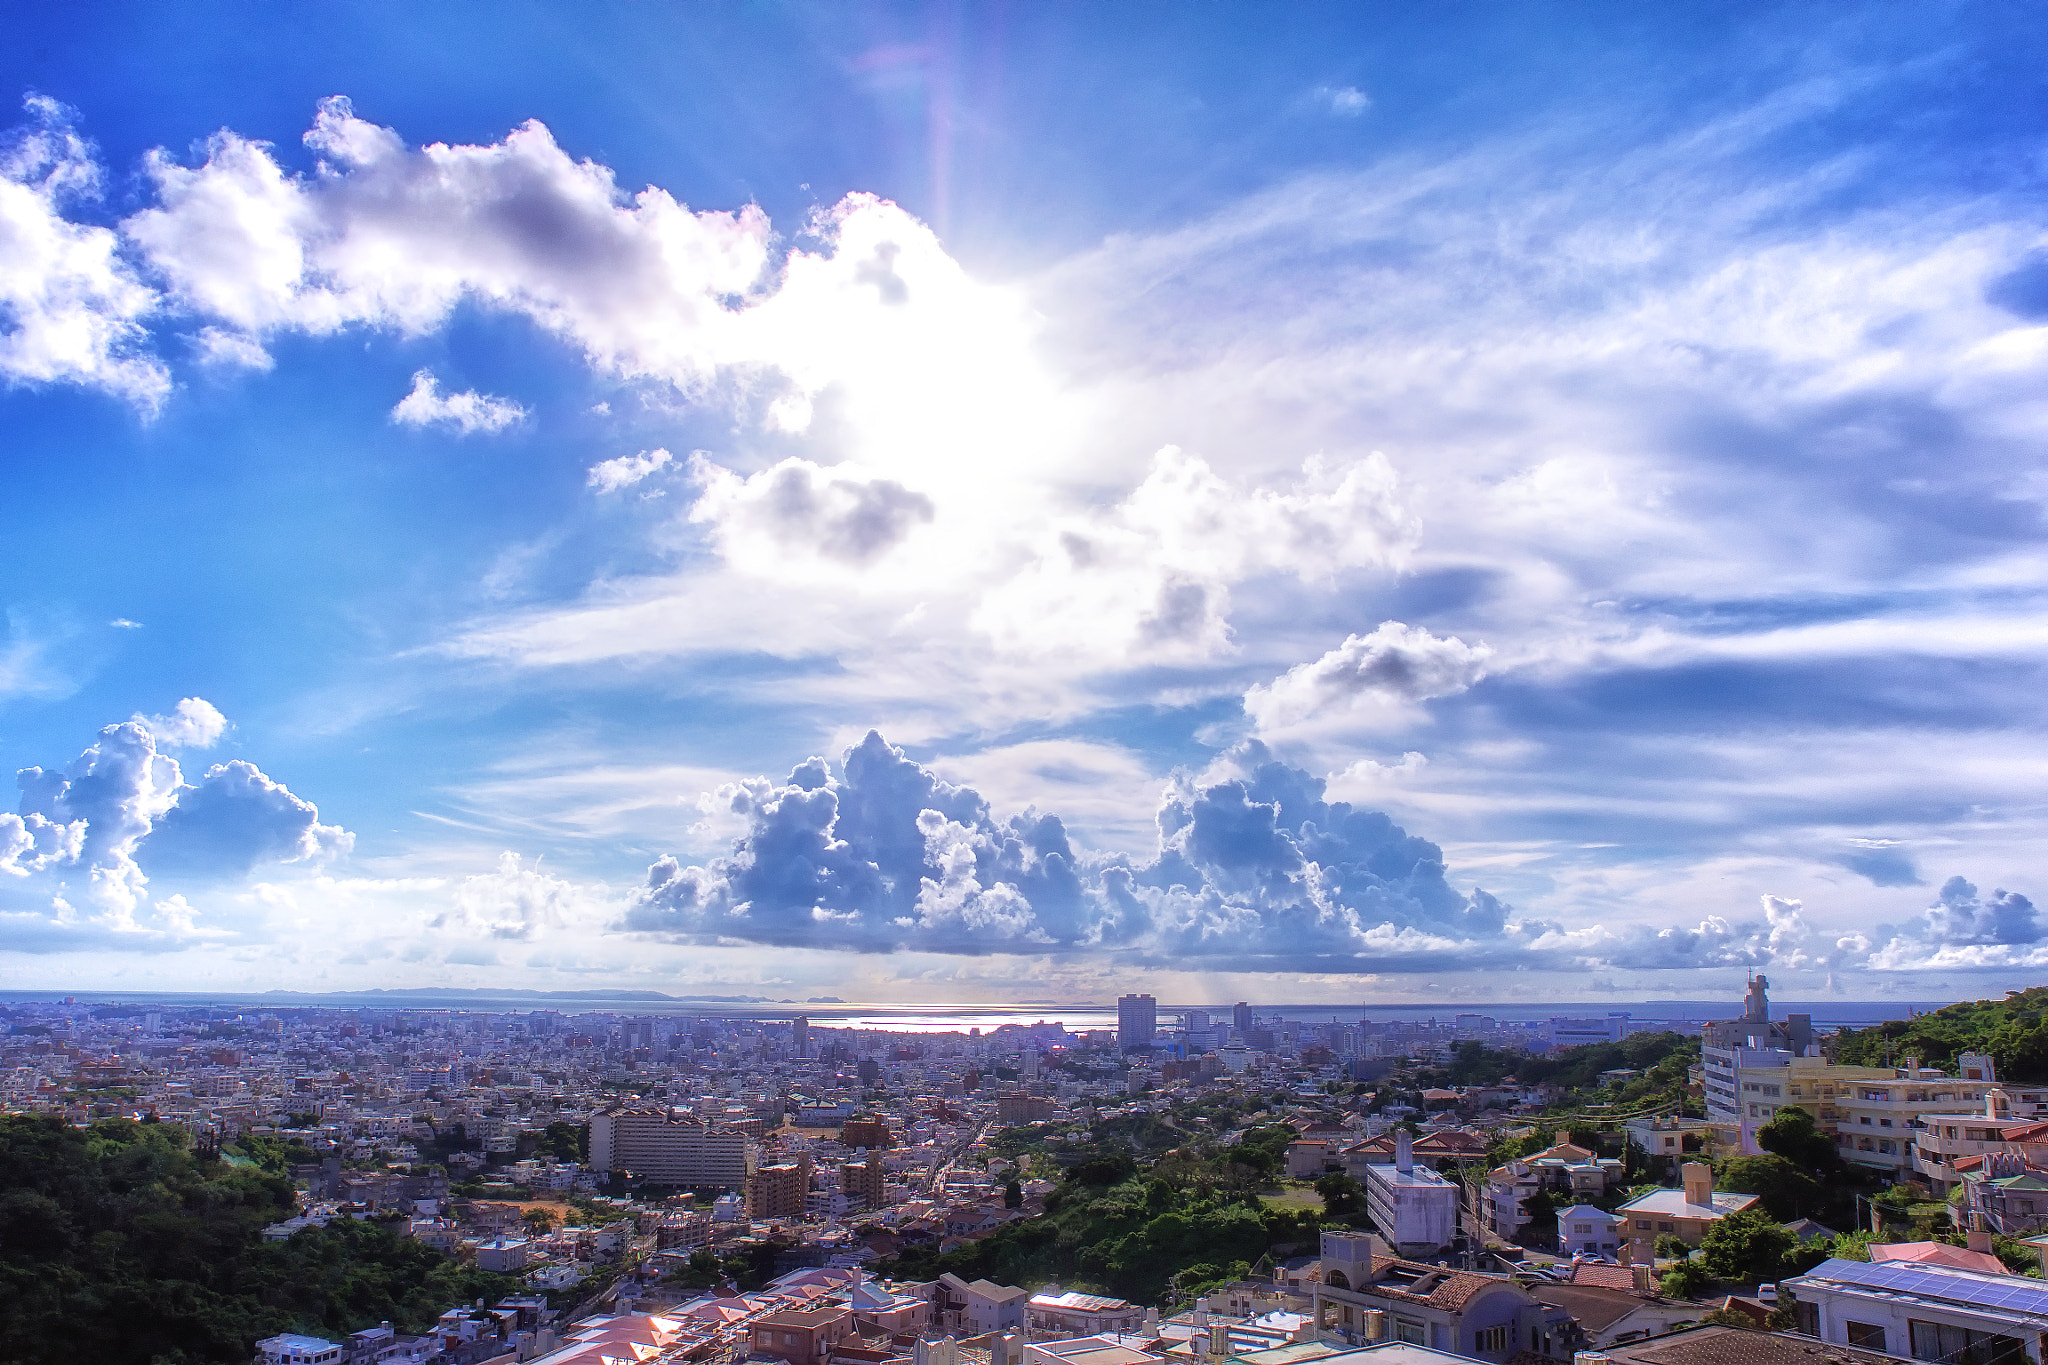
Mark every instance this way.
x=1686 y=1280
x=1747 y=1246
x=1342 y=1195
x=1792 y=1134
x=1013 y=1195
x=1784 y=1191
x=1672 y=1247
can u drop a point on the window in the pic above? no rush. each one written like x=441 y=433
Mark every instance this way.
x=1884 y=1123
x=1868 y=1335
x=1887 y=1146
x=1963 y=1345
x=1642 y=1225
x=1490 y=1340
x=1865 y=1120
x=1666 y=1227
x=1410 y=1331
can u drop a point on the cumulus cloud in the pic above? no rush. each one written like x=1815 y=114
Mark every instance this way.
x=516 y=901
x=234 y=820
x=122 y=812
x=1960 y=915
x=1251 y=865
x=194 y=723
x=623 y=471
x=466 y=412
x=397 y=236
x=1393 y=667
x=797 y=511
x=71 y=308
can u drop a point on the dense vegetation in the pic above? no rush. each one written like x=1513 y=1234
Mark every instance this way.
x=1661 y=1059
x=2013 y=1031
x=1190 y=1220
x=119 y=1243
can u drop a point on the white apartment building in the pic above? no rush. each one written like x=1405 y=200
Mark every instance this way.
x=1745 y=1063
x=1415 y=1209
x=2010 y=1121
x=668 y=1148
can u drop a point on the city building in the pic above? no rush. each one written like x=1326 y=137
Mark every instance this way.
x=1415 y=1209
x=1745 y=1062
x=778 y=1191
x=668 y=1148
x=1241 y=1020
x=801 y=1336
x=1137 y=1021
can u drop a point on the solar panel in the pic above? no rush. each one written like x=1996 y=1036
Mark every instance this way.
x=1939 y=1282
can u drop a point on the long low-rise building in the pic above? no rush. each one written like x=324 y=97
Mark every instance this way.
x=667 y=1148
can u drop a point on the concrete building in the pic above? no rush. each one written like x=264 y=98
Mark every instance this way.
x=503 y=1255
x=1074 y=1314
x=1414 y=1208
x=801 y=1336
x=669 y=1149
x=1926 y=1311
x=973 y=1308
x=1583 y=1230
x=778 y=1191
x=289 y=1348
x=1241 y=1021
x=1685 y=1213
x=1137 y=1021
x=1365 y=1296
x=1745 y=1063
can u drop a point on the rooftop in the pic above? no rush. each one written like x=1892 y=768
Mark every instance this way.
x=1672 y=1204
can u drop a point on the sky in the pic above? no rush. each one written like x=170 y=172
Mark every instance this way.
x=945 y=502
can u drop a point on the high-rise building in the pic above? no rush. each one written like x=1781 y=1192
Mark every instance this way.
x=863 y=1181
x=1195 y=1021
x=1241 y=1019
x=778 y=1191
x=800 y=1036
x=1137 y=1021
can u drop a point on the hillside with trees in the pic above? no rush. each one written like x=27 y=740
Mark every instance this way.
x=123 y=1245
x=2012 y=1031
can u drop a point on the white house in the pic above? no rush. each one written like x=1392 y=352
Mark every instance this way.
x=1928 y=1312
x=1583 y=1230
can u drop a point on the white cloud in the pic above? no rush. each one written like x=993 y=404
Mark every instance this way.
x=193 y=723
x=467 y=412
x=71 y=310
x=623 y=471
x=519 y=901
x=1345 y=101
x=1392 y=668
x=797 y=516
x=1151 y=577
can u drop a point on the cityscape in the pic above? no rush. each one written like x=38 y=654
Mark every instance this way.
x=959 y=682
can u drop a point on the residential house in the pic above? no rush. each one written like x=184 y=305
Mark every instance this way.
x=1685 y=1213
x=1075 y=1314
x=1615 y=1304
x=1583 y=1230
x=1928 y=1311
x=1365 y=1296
x=801 y=1336
x=973 y=1308
x=2002 y=1193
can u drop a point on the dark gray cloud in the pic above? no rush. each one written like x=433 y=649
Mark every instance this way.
x=1884 y=866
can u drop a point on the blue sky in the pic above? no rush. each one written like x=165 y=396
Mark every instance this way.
x=1385 y=502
